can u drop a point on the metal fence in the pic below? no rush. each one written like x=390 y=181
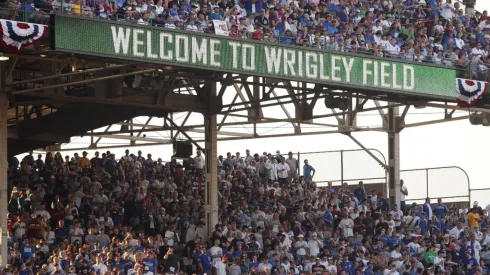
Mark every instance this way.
x=450 y=183
x=345 y=166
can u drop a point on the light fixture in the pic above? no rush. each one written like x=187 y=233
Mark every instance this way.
x=43 y=55
x=4 y=58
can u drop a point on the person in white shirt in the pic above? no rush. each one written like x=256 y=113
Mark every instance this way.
x=456 y=231
x=282 y=171
x=475 y=247
x=241 y=12
x=19 y=227
x=76 y=233
x=404 y=193
x=258 y=217
x=171 y=236
x=199 y=162
x=314 y=244
x=170 y=23
x=216 y=251
x=396 y=256
x=440 y=259
x=159 y=7
x=301 y=247
x=392 y=48
x=43 y=213
x=397 y=215
x=447 y=10
x=414 y=245
x=99 y=266
x=391 y=270
x=291 y=25
x=347 y=225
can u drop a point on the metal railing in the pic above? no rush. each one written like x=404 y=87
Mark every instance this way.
x=344 y=166
x=434 y=182
x=464 y=68
x=352 y=166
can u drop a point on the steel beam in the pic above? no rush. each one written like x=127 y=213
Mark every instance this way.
x=5 y=79
x=82 y=82
x=394 y=156
x=379 y=161
x=184 y=133
x=66 y=75
x=438 y=121
x=211 y=169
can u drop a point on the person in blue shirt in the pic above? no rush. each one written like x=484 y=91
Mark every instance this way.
x=423 y=224
x=470 y=264
x=27 y=250
x=347 y=266
x=369 y=269
x=12 y=239
x=150 y=261
x=204 y=260
x=440 y=210
x=328 y=217
x=307 y=171
x=360 y=192
x=427 y=208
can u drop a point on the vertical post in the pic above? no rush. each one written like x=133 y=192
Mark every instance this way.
x=394 y=155
x=299 y=161
x=211 y=153
x=341 y=166
x=427 y=182
x=3 y=168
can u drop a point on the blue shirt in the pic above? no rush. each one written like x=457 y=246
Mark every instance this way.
x=307 y=169
x=28 y=251
x=359 y=193
x=440 y=211
x=205 y=261
x=328 y=215
x=151 y=264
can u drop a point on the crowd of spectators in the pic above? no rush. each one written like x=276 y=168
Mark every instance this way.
x=443 y=32
x=140 y=215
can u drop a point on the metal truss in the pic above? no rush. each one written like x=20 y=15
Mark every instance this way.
x=246 y=107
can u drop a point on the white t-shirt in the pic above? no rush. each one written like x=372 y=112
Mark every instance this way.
x=402 y=196
x=199 y=162
x=221 y=268
x=314 y=247
x=102 y=268
x=396 y=255
x=347 y=226
x=301 y=245
x=215 y=250
x=397 y=215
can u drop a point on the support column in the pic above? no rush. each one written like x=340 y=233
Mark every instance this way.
x=394 y=155
x=3 y=168
x=211 y=154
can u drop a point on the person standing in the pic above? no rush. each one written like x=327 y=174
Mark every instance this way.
x=199 y=163
x=293 y=166
x=404 y=193
x=308 y=171
x=282 y=172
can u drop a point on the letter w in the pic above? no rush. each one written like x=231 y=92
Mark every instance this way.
x=120 y=38
x=273 y=58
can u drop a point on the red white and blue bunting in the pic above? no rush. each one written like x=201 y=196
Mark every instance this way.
x=18 y=35
x=470 y=91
